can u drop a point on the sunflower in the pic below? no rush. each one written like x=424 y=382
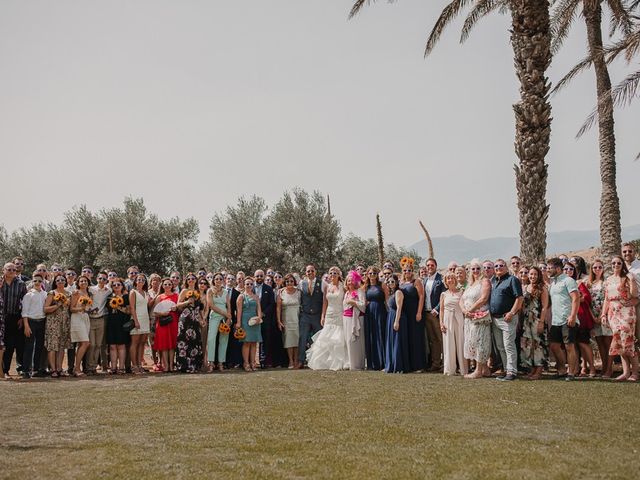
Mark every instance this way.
x=116 y=302
x=60 y=298
x=239 y=334
x=224 y=329
x=407 y=261
x=193 y=294
x=85 y=301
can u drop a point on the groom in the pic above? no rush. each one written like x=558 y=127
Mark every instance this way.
x=310 y=309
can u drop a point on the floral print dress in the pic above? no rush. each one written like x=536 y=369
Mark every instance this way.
x=189 y=354
x=57 y=335
x=620 y=318
x=597 y=301
x=533 y=344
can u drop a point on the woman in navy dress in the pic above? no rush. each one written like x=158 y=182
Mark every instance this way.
x=374 y=320
x=397 y=339
x=413 y=291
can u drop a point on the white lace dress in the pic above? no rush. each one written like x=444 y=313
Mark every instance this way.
x=329 y=349
x=477 y=328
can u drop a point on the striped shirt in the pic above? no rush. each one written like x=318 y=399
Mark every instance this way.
x=12 y=295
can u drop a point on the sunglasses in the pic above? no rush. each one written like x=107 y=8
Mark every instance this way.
x=616 y=263
x=133 y=273
x=568 y=269
x=499 y=265
x=167 y=285
x=112 y=275
x=102 y=279
x=10 y=269
x=41 y=270
x=117 y=284
x=37 y=280
x=259 y=276
x=86 y=270
x=597 y=267
x=627 y=251
x=475 y=269
x=407 y=271
x=371 y=273
x=56 y=269
x=289 y=281
x=60 y=280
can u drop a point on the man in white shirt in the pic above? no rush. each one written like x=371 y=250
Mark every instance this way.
x=97 y=316
x=433 y=288
x=633 y=265
x=33 y=319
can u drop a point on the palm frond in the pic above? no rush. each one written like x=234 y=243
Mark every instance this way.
x=564 y=13
x=447 y=15
x=621 y=19
x=628 y=45
x=621 y=95
x=583 y=65
x=355 y=9
x=481 y=9
x=635 y=4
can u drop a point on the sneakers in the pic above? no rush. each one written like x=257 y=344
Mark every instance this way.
x=507 y=378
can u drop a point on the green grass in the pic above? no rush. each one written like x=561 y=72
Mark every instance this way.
x=305 y=424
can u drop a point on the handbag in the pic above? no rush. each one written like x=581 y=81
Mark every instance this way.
x=165 y=320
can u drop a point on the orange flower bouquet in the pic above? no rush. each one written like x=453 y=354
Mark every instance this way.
x=85 y=301
x=116 y=302
x=60 y=298
x=224 y=329
x=192 y=294
x=239 y=334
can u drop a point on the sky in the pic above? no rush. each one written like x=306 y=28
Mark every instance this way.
x=190 y=104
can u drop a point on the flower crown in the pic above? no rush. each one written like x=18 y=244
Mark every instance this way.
x=407 y=262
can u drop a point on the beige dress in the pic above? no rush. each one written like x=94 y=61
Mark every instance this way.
x=142 y=311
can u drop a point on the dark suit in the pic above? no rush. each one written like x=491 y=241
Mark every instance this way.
x=432 y=322
x=234 y=348
x=310 y=313
x=271 y=349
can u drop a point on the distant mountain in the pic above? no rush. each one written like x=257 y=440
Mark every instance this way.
x=461 y=248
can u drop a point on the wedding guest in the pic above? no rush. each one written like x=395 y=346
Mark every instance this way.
x=477 y=329
x=311 y=304
x=585 y=316
x=33 y=319
x=329 y=348
x=189 y=354
x=234 y=348
x=542 y=266
x=601 y=331
x=413 y=292
x=422 y=273
x=203 y=288
x=19 y=264
x=166 y=335
x=219 y=302
x=132 y=273
x=505 y=302
x=71 y=275
x=112 y=275
x=460 y=274
x=514 y=265
x=451 y=267
x=278 y=282
x=375 y=319
x=565 y=301
x=619 y=313
x=523 y=276
x=397 y=340
x=87 y=271
x=155 y=282
x=248 y=308
x=97 y=315
x=41 y=269
x=629 y=253
x=452 y=326
x=535 y=311
x=353 y=312
x=288 y=314
x=202 y=273
x=57 y=335
x=2 y=376
x=13 y=291
x=271 y=349
x=118 y=315
x=139 y=301
x=81 y=303
x=433 y=287
x=175 y=279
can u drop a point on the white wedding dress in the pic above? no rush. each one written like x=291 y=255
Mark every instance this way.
x=329 y=349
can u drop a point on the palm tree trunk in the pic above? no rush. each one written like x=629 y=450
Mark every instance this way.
x=610 y=235
x=531 y=43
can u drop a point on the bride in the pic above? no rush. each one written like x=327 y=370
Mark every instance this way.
x=329 y=349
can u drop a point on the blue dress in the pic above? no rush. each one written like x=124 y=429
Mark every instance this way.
x=250 y=309
x=417 y=350
x=374 y=328
x=397 y=344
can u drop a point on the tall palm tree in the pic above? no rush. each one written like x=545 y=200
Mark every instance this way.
x=531 y=44
x=564 y=14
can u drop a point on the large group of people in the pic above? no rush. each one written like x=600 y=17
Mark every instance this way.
x=480 y=319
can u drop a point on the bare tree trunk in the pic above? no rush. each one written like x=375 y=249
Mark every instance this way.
x=610 y=234
x=380 y=240
x=428 y=237
x=531 y=43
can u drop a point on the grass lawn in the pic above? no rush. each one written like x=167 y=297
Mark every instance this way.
x=305 y=424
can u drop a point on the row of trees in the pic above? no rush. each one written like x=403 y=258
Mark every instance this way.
x=297 y=230
x=538 y=29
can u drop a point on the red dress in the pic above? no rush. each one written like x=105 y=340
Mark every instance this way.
x=166 y=337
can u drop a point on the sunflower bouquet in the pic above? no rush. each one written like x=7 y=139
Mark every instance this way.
x=224 y=329
x=239 y=334
x=85 y=301
x=116 y=302
x=192 y=294
x=60 y=298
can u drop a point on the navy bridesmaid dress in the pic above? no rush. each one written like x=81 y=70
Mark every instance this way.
x=375 y=318
x=397 y=343
x=417 y=350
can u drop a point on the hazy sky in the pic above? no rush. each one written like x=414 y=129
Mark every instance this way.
x=191 y=104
